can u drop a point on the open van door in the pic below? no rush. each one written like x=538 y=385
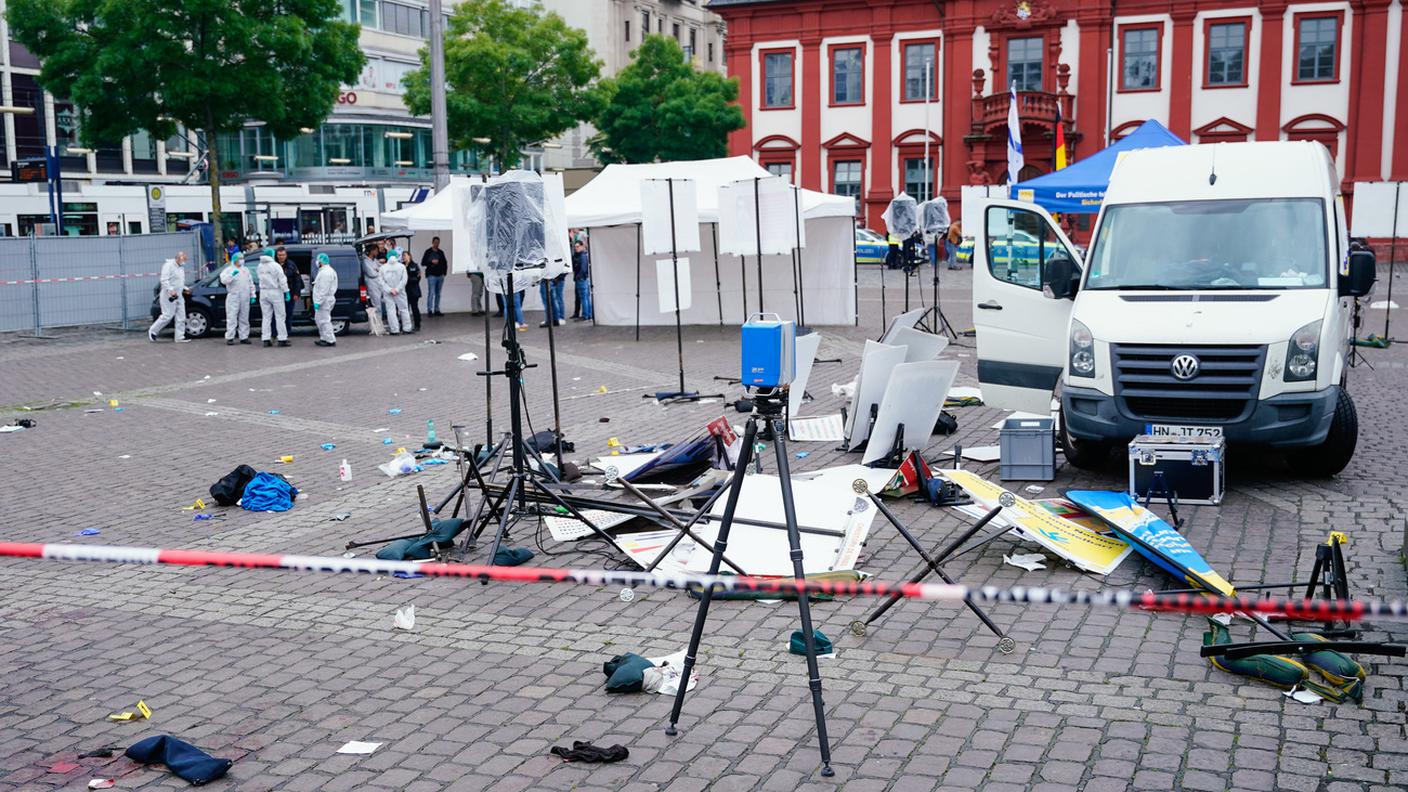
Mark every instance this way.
x=1021 y=319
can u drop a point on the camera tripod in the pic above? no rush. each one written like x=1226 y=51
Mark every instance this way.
x=767 y=422
x=933 y=320
x=511 y=502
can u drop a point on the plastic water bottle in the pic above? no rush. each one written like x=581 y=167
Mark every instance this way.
x=430 y=432
x=344 y=471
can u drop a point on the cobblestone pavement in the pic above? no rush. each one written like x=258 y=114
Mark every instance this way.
x=278 y=669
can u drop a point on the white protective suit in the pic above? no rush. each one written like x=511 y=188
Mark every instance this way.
x=172 y=301
x=239 y=293
x=324 y=295
x=398 y=308
x=371 y=276
x=273 y=285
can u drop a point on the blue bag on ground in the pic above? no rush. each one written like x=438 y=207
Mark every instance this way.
x=625 y=673
x=185 y=760
x=268 y=492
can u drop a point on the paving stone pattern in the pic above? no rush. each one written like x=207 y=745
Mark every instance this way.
x=278 y=669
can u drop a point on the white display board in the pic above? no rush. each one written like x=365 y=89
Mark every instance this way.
x=665 y=270
x=1374 y=208
x=755 y=208
x=804 y=352
x=913 y=398
x=876 y=363
x=922 y=346
x=660 y=233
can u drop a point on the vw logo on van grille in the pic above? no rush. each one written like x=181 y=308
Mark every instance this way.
x=1184 y=367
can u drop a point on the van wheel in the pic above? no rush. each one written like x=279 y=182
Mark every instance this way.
x=339 y=326
x=197 y=323
x=1084 y=454
x=1333 y=455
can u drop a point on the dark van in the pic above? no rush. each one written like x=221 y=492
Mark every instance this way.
x=205 y=306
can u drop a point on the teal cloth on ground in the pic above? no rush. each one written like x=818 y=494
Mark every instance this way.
x=442 y=533
x=625 y=673
x=512 y=556
x=798 y=644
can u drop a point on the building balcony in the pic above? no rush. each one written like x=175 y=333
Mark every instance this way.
x=1034 y=107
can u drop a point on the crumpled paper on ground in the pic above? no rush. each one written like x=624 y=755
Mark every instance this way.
x=1028 y=561
x=664 y=676
x=405 y=618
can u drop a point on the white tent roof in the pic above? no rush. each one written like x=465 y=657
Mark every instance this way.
x=432 y=214
x=613 y=196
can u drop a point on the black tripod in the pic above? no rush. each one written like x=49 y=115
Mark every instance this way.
x=511 y=503
x=933 y=320
x=768 y=409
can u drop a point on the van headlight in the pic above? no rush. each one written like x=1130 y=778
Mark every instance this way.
x=1082 y=361
x=1303 y=353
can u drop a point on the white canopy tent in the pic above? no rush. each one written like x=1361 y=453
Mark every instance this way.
x=724 y=287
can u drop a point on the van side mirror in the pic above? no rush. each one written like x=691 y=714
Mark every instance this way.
x=1362 y=273
x=1060 y=277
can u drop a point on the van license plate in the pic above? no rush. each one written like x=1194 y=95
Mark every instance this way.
x=1189 y=432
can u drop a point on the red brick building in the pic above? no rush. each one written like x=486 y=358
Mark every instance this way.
x=842 y=95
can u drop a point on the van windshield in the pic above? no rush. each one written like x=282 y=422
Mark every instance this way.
x=1194 y=245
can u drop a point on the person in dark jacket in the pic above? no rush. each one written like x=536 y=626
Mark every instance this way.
x=436 y=267
x=581 y=281
x=295 y=281
x=412 y=286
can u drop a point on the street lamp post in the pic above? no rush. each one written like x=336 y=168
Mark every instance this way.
x=439 y=131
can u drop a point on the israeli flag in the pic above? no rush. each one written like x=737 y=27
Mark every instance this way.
x=1015 y=161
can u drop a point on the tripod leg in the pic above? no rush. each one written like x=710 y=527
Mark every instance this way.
x=778 y=430
x=513 y=488
x=706 y=595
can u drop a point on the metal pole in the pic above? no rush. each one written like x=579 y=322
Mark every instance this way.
x=638 y=255
x=1392 y=251
x=801 y=280
x=758 y=224
x=675 y=282
x=122 y=279
x=718 y=280
x=34 y=282
x=439 y=131
x=928 y=89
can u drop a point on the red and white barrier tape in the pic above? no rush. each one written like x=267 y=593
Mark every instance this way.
x=1310 y=610
x=80 y=278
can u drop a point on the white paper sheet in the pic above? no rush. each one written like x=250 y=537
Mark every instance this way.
x=823 y=429
x=804 y=351
x=823 y=500
x=358 y=747
x=665 y=282
x=655 y=201
x=746 y=211
x=914 y=397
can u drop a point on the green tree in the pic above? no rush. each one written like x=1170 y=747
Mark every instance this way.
x=513 y=77
x=209 y=65
x=661 y=108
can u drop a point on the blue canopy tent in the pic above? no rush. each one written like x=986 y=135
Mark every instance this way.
x=1080 y=187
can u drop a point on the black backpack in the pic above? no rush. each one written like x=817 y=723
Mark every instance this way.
x=229 y=489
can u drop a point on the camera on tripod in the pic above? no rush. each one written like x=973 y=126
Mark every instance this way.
x=768 y=351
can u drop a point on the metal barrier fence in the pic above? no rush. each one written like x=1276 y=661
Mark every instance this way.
x=68 y=281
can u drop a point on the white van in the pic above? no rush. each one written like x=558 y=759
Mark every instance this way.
x=1215 y=299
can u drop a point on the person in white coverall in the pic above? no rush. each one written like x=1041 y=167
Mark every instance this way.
x=393 y=283
x=273 y=292
x=173 y=298
x=371 y=277
x=239 y=293
x=324 y=295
